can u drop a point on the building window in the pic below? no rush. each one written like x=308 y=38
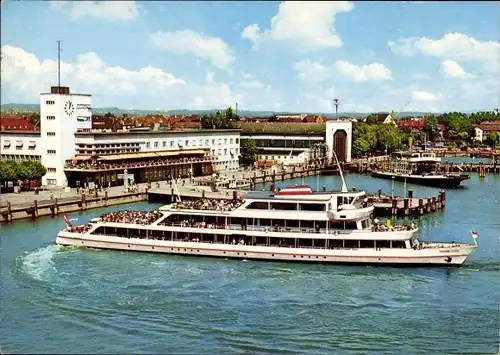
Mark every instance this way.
x=237 y=140
x=51 y=117
x=19 y=145
x=206 y=142
x=164 y=144
x=51 y=182
x=187 y=143
x=225 y=151
x=213 y=141
x=51 y=152
x=32 y=145
x=156 y=144
x=51 y=170
x=49 y=102
x=148 y=144
x=230 y=141
x=51 y=134
x=225 y=140
x=171 y=143
x=6 y=144
x=219 y=151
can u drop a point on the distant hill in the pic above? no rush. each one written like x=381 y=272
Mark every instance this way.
x=119 y=111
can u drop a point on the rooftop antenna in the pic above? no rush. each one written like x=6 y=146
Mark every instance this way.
x=59 y=63
x=344 y=185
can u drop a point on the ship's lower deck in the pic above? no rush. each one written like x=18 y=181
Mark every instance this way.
x=445 y=254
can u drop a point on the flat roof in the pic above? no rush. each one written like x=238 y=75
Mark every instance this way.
x=70 y=94
x=33 y=133
x=100 y=133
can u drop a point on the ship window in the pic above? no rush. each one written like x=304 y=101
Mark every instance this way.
x=336 y=243
x=282 y=206
x=99 y=230
x=336 y=225
x=258 y=205
x=385 y=244
x=367 y=244
x=350 y=225
x=398 y=244
x=265 y=222
x=351 y=244
x=316 y=207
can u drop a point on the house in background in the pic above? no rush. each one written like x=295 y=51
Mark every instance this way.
x=481 y=130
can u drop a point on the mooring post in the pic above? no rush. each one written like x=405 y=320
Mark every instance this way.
x=433 y=204
x=84 y=202
x=379 y=192
x=235 y=195
x=106 y=198
x=35 y=209
x=443 y=198
x=421 y=205
x=406 y=206
x=428 y=205
x=202 y=193
x=9 y=212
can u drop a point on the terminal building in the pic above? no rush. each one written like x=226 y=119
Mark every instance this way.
x=297 y=148
x=77 y=155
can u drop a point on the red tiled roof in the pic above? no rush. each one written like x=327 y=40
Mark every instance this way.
x=16 y=123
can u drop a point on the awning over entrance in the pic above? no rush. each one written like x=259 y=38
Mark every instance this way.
x=157 y=154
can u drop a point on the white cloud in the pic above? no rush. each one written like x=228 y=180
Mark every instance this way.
x=252 y=84
x=425 y=96
x=24 y=76
x=421 y=76
x=452 y=69
x=103 y=10
x=457 y=46
x=315 y=72
x=197 y=44
x=363 y=73
x=312 y=71
x=308 y=24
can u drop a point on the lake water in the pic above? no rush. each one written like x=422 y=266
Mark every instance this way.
x=64 y=300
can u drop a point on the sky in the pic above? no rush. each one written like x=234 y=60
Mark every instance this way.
x=277 y=56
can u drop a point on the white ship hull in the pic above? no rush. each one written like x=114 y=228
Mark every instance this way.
x=456 y=255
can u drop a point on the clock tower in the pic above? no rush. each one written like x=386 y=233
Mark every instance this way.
x=62 y=114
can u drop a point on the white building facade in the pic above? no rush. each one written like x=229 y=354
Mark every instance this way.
x=339 y=139
x=61 y=115
x=224 y=145
x=66 y=131
x=19 y=146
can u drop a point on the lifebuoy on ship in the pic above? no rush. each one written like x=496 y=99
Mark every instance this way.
x=448 y=259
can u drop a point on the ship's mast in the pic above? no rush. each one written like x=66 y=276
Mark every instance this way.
x=344 y=185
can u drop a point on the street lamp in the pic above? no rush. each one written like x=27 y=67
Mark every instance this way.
x=336 y=103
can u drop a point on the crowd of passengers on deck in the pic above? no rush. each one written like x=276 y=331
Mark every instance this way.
x=208 y=204
x=133 y=217
x=388 y=227
x=101 y=165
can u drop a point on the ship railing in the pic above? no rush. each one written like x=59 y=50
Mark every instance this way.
x=275 y=229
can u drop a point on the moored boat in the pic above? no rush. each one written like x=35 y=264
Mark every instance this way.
x=419 y=167
x=294 y=224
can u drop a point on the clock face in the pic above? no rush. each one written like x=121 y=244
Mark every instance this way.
x=69 y=107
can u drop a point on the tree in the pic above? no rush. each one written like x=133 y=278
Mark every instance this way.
x=8 y=171
x=492 y=139
x=360 y=147
x=248 y=150
x=219 y=120
x=431 y=127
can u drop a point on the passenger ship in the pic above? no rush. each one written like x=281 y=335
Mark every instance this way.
x=294 y=224
x=419 y=167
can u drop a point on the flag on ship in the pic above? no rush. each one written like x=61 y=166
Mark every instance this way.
x=67 y=221
x=474 y=234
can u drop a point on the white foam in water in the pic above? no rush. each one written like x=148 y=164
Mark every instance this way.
x=38 y=264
